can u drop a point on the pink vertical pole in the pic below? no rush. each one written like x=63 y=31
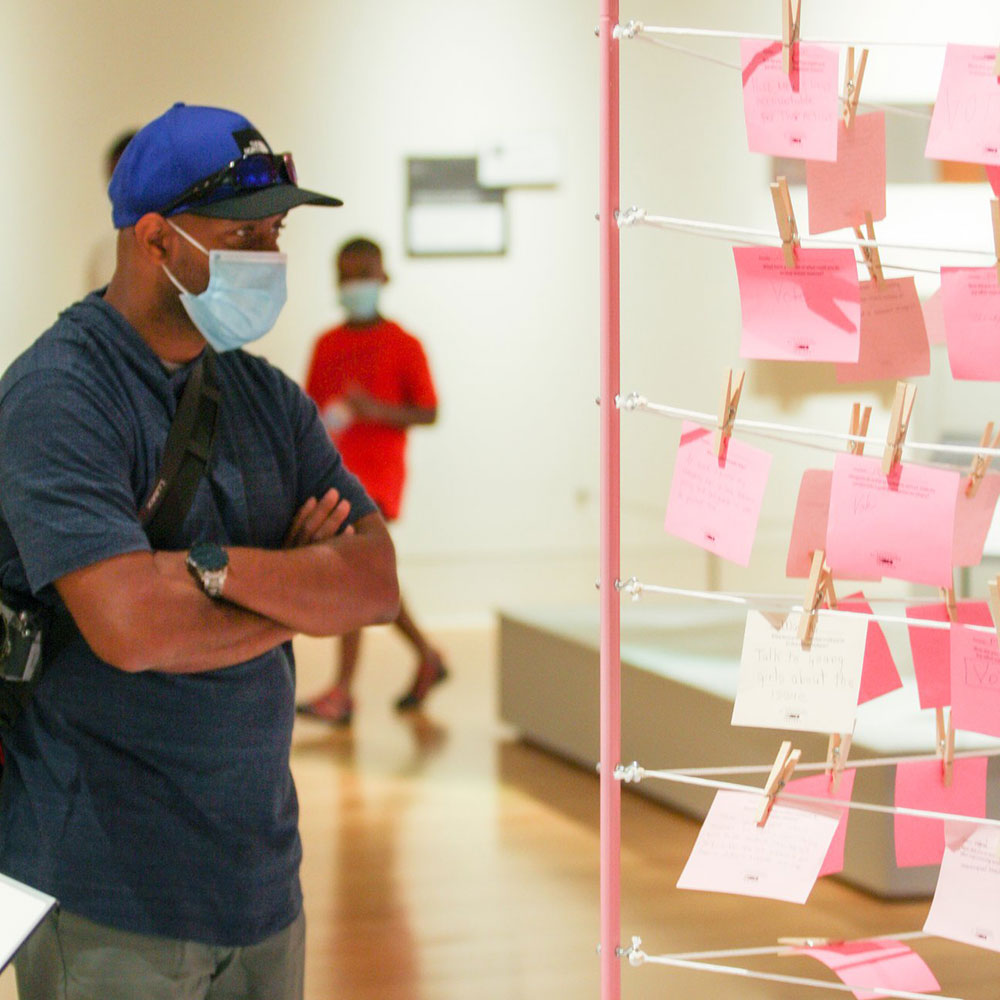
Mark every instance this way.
x=610 y=511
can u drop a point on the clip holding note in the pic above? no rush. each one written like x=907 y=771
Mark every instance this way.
x=945 y=745
x=852 y=84
x=858 y=428
x=837 y=750
x=790 y=20
x=981 y=462
x=870 y=254
x=727 y=410
x=785 y=214
x=818 y=589
x=899 y=423
x=781 y=774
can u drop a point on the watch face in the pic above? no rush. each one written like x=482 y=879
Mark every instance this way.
x=208 y=556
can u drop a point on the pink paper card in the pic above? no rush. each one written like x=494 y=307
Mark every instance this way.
x=819 y=786
x=791 y=114
x=973 y=516
x=993 y=176
x=970 y=300
x=879 y=675
x=975 y=681
x=919 y=785
x=810 y=312
x=965 y=125
x=964 y=907
x=840 y=193
x=885 y=964
x=780 y=860
x=714 y=504
x=893 y=336
x=901 y=526
x=931 y=648
x=934 y=318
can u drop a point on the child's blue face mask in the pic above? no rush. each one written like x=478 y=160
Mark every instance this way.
x=360 y=299
x=246 y=292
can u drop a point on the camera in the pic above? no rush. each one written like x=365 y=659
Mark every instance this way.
x=20 y=642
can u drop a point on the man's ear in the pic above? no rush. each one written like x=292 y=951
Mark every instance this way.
x=153 y=237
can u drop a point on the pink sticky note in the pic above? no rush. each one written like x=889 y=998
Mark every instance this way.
x=975 y=681
x=901 y=526
x=884 y=963
x=716 y=504
x=840 y=193
x=919 y=785
x=973 y=516
x=791 y=114
x=879 y=675
x=780 y=860
x=810 y=312
x=931 y=648
x=893 y=336
x=819 y=786
x=965 y=125
x=970 y=300
x=993 y=176
x=934 y=318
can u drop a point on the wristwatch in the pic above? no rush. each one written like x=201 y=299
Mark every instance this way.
x=209 y=564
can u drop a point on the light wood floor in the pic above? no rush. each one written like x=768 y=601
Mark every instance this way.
x=444 y=860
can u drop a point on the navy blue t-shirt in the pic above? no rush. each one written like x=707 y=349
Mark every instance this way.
x=156 y=803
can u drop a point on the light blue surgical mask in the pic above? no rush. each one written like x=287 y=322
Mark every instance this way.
x=360 y=299
x=246 y=292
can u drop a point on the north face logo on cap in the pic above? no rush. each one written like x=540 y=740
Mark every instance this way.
x=251 y=141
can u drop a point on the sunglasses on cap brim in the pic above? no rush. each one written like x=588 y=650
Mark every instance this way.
x=247 y=174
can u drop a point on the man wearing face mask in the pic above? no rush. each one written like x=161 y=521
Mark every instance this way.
x=147 y=783
x=371 y=381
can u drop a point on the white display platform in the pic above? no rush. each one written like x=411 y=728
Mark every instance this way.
x=679 y=675
x=22 y=909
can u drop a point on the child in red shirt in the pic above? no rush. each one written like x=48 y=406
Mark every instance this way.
x=371 y=382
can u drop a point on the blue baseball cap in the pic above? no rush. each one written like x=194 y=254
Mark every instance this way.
x=207 y=161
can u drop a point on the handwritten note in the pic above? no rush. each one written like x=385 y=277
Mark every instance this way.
x=901 y=526
x=783 y=686
x=841 y=192
x=819 y=785
x=22 y=909
x=885 y=963
x=931 y=648
x=975 y=681
x=810 y=312
x=879 y=675
x=919 y=785
x=973 y=517
x=893 y=336
x=714 y=504
x=790 y=114
x=780 y=860
x=970 y=299
x=965 y=125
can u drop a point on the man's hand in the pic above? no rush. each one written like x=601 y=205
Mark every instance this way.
x=319 y=520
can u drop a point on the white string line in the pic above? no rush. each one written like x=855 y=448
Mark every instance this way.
x=636 y=588
x=773 y=977
x=789 y=949
x=650 y=29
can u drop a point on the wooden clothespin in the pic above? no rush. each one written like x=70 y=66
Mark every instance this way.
x=945 y=745
x=995 y=210
x=808 y=942
x=781 y=774
x=981 y=462
x=818 y=589
x=785 y=214
x=790 y=21
x=837 y=750
x=899 y=423
x=852 y=85
x=870 y=254
x=859 y=428
x=727 y=410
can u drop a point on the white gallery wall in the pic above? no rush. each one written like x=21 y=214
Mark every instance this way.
x=502 y=505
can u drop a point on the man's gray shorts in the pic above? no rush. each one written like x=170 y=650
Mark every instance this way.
x=70 y=958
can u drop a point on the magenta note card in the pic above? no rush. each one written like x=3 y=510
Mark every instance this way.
x=879 y=675
x=975 y=681
x=973 y=516
x=885 y=964
x=810 y=312
x=901 y=526
x=791 y=114
x=920 y=785
x=716 y=504
x=931 y=648
x=840 y=193
x=893 y=335
x=970 y=300
x=965 y=125
x=819 y=785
